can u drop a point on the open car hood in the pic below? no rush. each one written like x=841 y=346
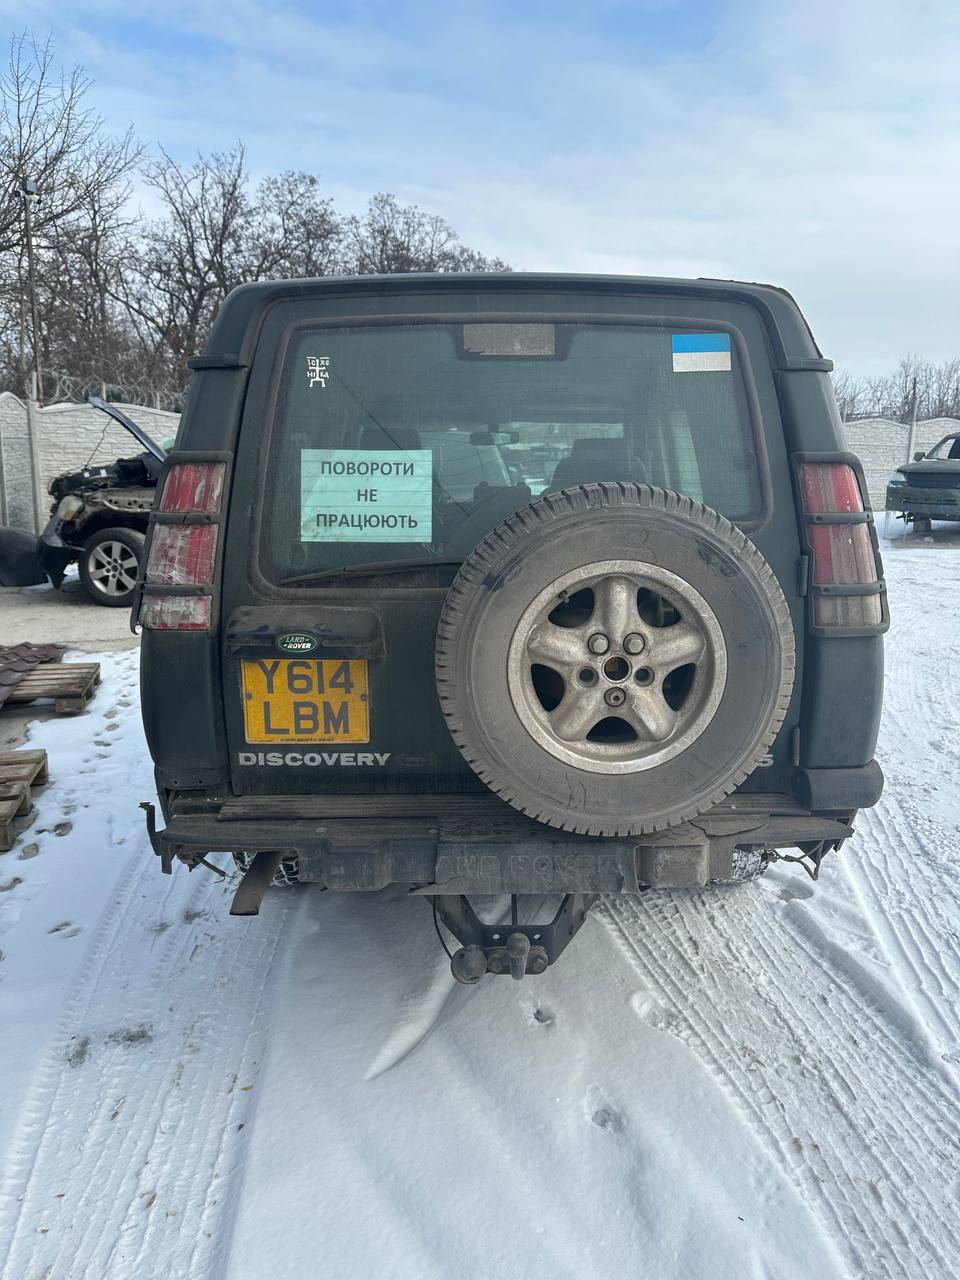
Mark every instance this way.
x=138 y=433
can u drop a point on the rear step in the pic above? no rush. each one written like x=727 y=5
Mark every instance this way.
x=479 y=804
x=475 y=843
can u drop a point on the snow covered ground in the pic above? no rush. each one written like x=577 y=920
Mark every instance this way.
x=750 y=1083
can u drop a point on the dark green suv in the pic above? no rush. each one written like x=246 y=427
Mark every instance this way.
x=511 y=585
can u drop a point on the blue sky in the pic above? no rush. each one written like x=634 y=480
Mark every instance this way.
x=812 y=144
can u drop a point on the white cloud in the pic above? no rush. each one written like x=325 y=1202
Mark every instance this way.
x=811 y=144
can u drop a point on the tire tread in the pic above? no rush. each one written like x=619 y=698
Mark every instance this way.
x=509 y=536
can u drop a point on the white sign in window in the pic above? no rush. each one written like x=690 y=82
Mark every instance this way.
x=364 y=495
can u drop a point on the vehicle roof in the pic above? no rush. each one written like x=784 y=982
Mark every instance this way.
x=234 y=332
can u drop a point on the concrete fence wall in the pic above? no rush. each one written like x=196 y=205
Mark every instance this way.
x=71 y=436
x=66 y=438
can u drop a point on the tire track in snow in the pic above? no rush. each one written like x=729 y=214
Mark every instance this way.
x=906 y=884
x=861 y=1119
x=133 y=1133
x=904 y=865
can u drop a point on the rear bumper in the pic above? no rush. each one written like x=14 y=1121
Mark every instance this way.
x=477 y=844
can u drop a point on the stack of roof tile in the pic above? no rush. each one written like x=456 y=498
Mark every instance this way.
x=19 y=659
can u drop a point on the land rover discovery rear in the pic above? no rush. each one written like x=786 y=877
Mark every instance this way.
x=512 y=585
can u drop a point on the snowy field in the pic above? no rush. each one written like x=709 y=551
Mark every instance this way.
x=759 y=1083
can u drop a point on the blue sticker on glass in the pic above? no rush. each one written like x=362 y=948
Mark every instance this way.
x=701 y=352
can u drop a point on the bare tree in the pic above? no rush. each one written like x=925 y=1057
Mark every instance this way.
x=941 y=390
x=48 y=135
x=214 y=236
x=396 y=238
x=890 y=395
x=183 y=265
x=123 y=301
x=295 y=231
x=850 y=393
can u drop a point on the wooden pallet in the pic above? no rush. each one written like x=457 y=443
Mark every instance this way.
x=19 y=771
x=70 y=684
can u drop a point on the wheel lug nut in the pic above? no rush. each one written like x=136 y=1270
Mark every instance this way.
x=598 y=643
x=634 y=643
x=614 y=697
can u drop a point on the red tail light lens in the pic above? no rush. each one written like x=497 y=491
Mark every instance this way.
x=830 y=487
x=193 y=487
x=842 y=553
x=183 y=553
x=838 y=533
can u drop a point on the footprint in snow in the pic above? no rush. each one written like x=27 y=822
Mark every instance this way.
x=791 y=892
x=78 y=1052
x=648 y=1006
x=604 y=1118
x=540 y=1014
x=60 y=829
x=141 y=1034
x=28 y=851
x=602 y=1113
x=66 y=929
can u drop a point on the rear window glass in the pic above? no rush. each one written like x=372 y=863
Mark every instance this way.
x=404 y=441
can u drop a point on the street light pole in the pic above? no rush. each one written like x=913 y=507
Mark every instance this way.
x=28 y=189
x=912 y=434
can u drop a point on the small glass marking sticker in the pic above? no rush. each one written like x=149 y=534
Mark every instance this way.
x=318 y=371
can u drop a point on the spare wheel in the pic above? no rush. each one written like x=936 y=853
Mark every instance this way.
x=614 y=659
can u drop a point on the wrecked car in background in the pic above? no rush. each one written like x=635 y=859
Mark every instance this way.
x=98 y=521
x=928 y=488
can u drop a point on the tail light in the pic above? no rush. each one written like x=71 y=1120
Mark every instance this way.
x=178 y=579
x=846 y=578
x=195 y=487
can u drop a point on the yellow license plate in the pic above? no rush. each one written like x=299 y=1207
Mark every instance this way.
x=305 y=700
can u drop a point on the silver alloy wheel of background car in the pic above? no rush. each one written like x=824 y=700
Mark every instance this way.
x=112 y=568
x=622 y=708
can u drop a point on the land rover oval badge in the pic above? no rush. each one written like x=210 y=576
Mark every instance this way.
x=297 y=642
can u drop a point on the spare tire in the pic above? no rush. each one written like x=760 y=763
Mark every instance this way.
x=614 y=659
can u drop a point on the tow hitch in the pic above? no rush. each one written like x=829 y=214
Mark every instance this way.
x=517 y=949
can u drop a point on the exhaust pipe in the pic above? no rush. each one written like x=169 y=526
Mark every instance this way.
x=255 y=883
